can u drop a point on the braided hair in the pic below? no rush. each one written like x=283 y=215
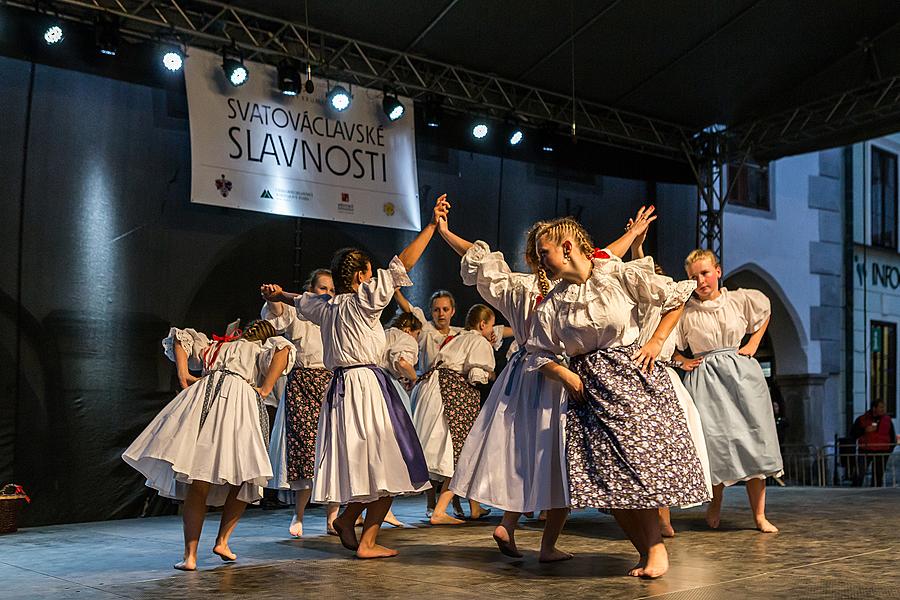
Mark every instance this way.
x=258 y=331
x=534 y=261
x=558 y=230
x=346 y=263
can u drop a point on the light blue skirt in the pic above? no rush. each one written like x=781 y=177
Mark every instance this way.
x=735 y=408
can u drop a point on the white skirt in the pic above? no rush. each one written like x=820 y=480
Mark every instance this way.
x=228 y=451
x=514 y=457
x=695 y=427
x=404 y=395
x=358 y=458
x=432 y=429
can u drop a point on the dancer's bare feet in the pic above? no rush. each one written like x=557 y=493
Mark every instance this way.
x=763 y=525
x=714 y=514
x=457 y=508
x=359 y=521
x=506 y=542
x=638 y=569
x=666 y=530
x=375 y=551
x=296 y=528
x=479 y=513
x=224 y=552
x=444 y=519
x=554 y=555
x=657 y=562
x=347 y=535
x=330 y=530
x=391 y=519
x=188 y=564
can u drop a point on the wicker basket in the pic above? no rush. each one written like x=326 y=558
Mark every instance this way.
x=12 y=497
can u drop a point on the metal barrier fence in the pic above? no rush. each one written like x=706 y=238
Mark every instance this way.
x=838 y=465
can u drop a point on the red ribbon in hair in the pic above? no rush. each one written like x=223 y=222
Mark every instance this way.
x=236 y=334
x=599 y=253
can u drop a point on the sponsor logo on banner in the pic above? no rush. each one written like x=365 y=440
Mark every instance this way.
x=292 y=156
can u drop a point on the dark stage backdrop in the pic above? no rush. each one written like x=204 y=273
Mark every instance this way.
x=101 y=251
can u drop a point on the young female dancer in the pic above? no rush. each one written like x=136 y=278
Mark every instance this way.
x=367 y=451
x=728 y=385
x=627 y=442
x=401 y=354
x=208 y=446
x=435 y=331
x=447 y=404
x=305 y=389
x=650 y=321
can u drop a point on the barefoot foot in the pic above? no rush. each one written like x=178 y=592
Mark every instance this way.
x=296 y=528
x=346 y=534
x=713 y=515
x=506 y=542
x=657 y=562
x=390 y=519
x=554 y=555
x=330 y=530
x=444 y=519
x=479 y=514
x=766 y=527
x=359 y=521
x=666 y=530
x=188 y=564
x=224 y=552
x=638 y=569
x=375 y=551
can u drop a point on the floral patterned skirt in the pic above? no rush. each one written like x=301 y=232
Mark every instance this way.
x=627 y=442
x=462 y=401
x=303 y=398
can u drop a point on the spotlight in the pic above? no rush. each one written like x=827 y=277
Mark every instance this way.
x=392 y=107
x=173 y=60
x=106 y=35
x=288 y=79
x=235 y=71
x=480 y=130
x=548 y=141
x=309 y=86
x=53 y=34
x=431 y=114
x=339 y=98
x=515 y=135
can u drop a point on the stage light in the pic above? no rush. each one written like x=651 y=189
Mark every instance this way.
x=173 y=60
x=233 y=65
x=53 y=34
x=288 y=79
x=392 y=107
x=480 y=130
x=548 y=138
x=106 y=35
x=516 y=135
x=432 y=112
x=309 y=86
x=339 y=98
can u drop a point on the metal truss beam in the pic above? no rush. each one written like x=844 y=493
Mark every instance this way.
x=211 y=24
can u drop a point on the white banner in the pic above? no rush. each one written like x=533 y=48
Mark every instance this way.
x=257 y=149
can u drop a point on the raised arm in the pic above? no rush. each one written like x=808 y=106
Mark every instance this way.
x=637 y=227
x=274 y=295
x=402 y=302
x=411 y=254
x=458 y=244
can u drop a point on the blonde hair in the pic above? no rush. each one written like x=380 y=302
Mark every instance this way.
x=477 y=314
x=533 y=260
x=701 y=254
x=558 y=231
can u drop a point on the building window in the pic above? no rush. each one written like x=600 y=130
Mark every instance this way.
x=884 y=198
x=884 y=365
x=748 y=185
